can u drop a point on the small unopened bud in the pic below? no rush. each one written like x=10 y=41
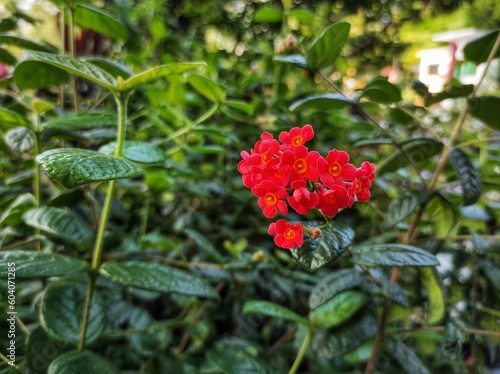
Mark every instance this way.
x=315 y=233
x=286 y=45
x=259 y=256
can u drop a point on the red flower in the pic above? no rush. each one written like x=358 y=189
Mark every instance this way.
x=336 y=167
x=363 y=180
x=287 y=235
x=333 y=199
x=295 y=137
x=299 y=164
x=302 y=199
x=271 y=198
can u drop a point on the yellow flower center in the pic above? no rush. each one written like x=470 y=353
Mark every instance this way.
x=300 y=166
x=270 y=199
x=298 y=140
x=289 y=234
x=335 y=169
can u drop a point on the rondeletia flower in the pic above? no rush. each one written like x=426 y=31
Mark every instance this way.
x=284 y=171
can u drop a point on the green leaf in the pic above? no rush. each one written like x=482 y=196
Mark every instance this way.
x=73 y=167
x=143 y=152
x=20 y=139
x=231 y=361
x=144 y=338
x=206 y=87
x=31 y=264
x=418 y=149
x=7 y=58
x=40 y=106
x=480 y=48
x=325 y=49
x=402 y=207
x=33 y=75
x=487 y=110
x=316 y=253
x=336 y=342
x=370 y=142
x=338 y=309
x=207 y=149
x=273 y=310
x=61 y=223
x=157 y=277
x=205 y=246
x=83 y=120
x=334 y=284
x=8 y=24
x=492 y=272
x=481 y=245
x=81 y=362
x=91 y=17
x=297 y=60
x=303 y=15
x=436 y=307
x=468 y=176
x=10 y=119
x=266 y=14
x=405 y=356
x=385 y=287
x=115 y=68
x=78 y=67
x=452 y=341
x=323 y=102
x=380 y=91
x=39 y=344
x=159 y=72
x=25 y=44
x=62 y=310
x=241 y=106
x=12 y=214
x=441 y=214
x=451 y=90
x=393 y=255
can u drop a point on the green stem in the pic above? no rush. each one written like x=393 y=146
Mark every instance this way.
x=302 y=352
x=121 y=102
x=37 y=186
x=71 y=38
x=62 y=30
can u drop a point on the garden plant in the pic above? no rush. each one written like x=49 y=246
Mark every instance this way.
x=166 y=207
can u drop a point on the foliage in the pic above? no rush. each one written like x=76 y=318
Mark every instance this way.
x=131 y=244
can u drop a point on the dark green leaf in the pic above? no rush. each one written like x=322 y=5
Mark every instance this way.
x=393 y=255
x=323 y=102
x=81 y=362
x=231 y=361
x=333 y=284
x=12 y=214
x=73 y=167
x=62 y=309
x=492 y=272
x=41 y=349
x=25 y=44
x=384 y=287
x=325 y=49
x=336 y=342
x=381 y=91
x=205 y=246
x=338 y=309
x=158 y=72
x=273 y=310
x=266 y=14
x=475 y=213
x=157 y=277
x=303 y=15
x=451 y=90
x=7 y=58
x=402 y=207
x=91 y=17
x=436 y=307
x=144 y=338
x=30 y=264
x=316 y=253
x=480 y=48
x=486 y=109
x=20 y=139
x=452 y=341
x=7 y=24
x=418 y=149
x=61 y=223
x=408 y=360
x=83 y=120
x=206 y=87
x=442 y=214
x=78 y=67
x=468 y=176
x=241 y=106
x=137 y=151
x=114 y=68
x=297 y=60
x=481 y=245
x=32 y=75
x=10 y=119
x=370 y=142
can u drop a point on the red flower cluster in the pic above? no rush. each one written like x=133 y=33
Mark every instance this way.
x=282 y=170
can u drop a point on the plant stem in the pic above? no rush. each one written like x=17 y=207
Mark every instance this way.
x=37 y=186
x=71 y=38
x=302 y=352
x=62 y=30
x=121 y=102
